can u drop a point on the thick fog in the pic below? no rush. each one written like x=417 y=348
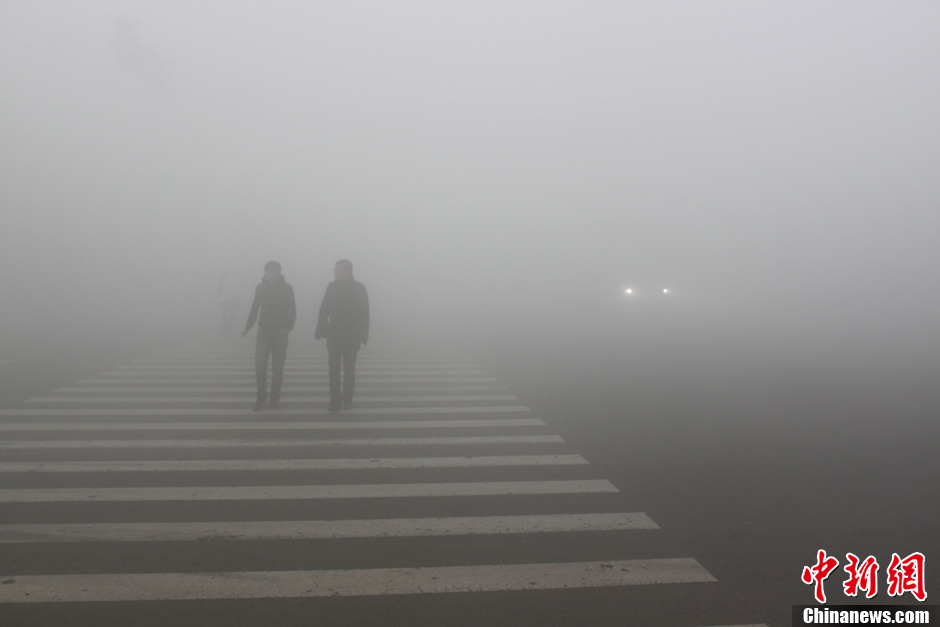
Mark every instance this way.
x=492 y=169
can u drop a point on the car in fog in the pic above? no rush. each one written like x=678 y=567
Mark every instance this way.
x=677 y=305
x=651 y=296
x=629 y=291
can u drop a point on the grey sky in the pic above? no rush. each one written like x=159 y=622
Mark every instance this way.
x=472 y=155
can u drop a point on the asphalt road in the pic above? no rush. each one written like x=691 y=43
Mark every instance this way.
x=723 y=467
x=755 y=455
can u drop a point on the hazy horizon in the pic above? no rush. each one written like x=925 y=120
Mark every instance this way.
x=483 y=164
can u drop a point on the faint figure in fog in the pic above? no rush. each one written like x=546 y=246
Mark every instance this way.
x=143 y=60
x=344 y=322
x=227 y=295
x=275 y=311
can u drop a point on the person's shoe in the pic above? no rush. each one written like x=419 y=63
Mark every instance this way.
x=258 y=406
x=274 y=404
x=347 y=404
x=334 y=407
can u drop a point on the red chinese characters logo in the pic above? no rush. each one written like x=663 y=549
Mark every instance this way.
x=862 y=576
x=903 y=575
x=819 y=572
x=907 y=575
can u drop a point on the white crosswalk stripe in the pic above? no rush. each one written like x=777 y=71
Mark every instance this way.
x=307 y=529
x=259 y=493
x=264 y=426
x=292 y=443
x=166 y=433
x=285 y=411
x=379 y=581
x=241 y=380
x=288 y=389
x=241 y=398
x=295 y=464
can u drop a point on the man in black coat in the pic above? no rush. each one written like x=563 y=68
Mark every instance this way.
x=274 y=299
x=344 y=322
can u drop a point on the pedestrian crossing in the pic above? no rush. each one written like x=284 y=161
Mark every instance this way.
x=357 y=582
x=267 y=443
x=294 y=464
x=308 y=529
x=258 y=493
x=166 y=450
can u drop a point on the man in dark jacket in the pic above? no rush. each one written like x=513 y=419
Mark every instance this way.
x=344 y=322
x=274 y=299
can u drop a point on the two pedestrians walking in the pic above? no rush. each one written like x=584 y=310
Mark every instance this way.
x=343 y=320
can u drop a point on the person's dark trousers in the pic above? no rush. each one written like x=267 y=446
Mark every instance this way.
x=342 y=354
x=271 y=343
